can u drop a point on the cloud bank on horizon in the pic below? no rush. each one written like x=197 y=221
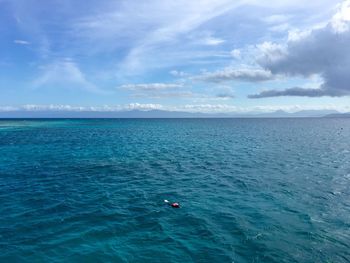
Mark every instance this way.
x=212 y=55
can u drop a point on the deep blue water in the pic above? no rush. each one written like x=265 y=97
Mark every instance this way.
x=251 y=190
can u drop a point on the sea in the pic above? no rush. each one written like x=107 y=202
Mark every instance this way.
x=250 y=190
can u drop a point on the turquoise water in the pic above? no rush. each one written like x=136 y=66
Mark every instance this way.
x=251 y=190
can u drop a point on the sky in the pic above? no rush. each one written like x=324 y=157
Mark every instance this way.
x=198 y=56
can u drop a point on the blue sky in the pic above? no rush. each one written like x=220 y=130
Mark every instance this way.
x=209 y=56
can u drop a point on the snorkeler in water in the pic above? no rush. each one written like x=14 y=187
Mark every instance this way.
x=173 y=205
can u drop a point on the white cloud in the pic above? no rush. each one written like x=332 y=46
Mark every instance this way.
x=236 y=53
x=213 y=41
x=280 y=28
x=276 y=19
x=21 y=42
x=296 y=34
x=324 y=51
x=64 y=73
x=153 y=26
x=155 y=35
x=340 y=21
x=177 y=73
x=271 y=52
x=151 y=86
x=231 y=74
x=158 y=90
x=224 y=92
x=140 y=106
x=152 y=22
x=161 y=95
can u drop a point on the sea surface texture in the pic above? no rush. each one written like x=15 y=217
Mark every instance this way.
x=250 y=190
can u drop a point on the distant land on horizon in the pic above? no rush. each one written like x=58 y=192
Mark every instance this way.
x=167 y=114
x=338 y=115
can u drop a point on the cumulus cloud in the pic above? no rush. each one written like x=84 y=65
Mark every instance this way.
x=230 y=74
x=340 y=21
x=324 y=51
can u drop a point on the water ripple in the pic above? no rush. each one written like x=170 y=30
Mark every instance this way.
x=272 y=190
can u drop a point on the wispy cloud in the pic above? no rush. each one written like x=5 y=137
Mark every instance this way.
x=165 y=24
x=21 y=42
x=205 y=38
x=64 y=73
x=225 y=95
x=276 y=19
x=151 y=86
x=162 y=95
x=236 y=53
x=175 y=90
x=158 y=90
x=231 y=74
x=212 y=41
x=177 y=73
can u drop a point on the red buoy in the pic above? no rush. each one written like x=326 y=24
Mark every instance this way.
x=175 y=205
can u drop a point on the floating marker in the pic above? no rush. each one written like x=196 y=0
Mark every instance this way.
x=173 y=205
